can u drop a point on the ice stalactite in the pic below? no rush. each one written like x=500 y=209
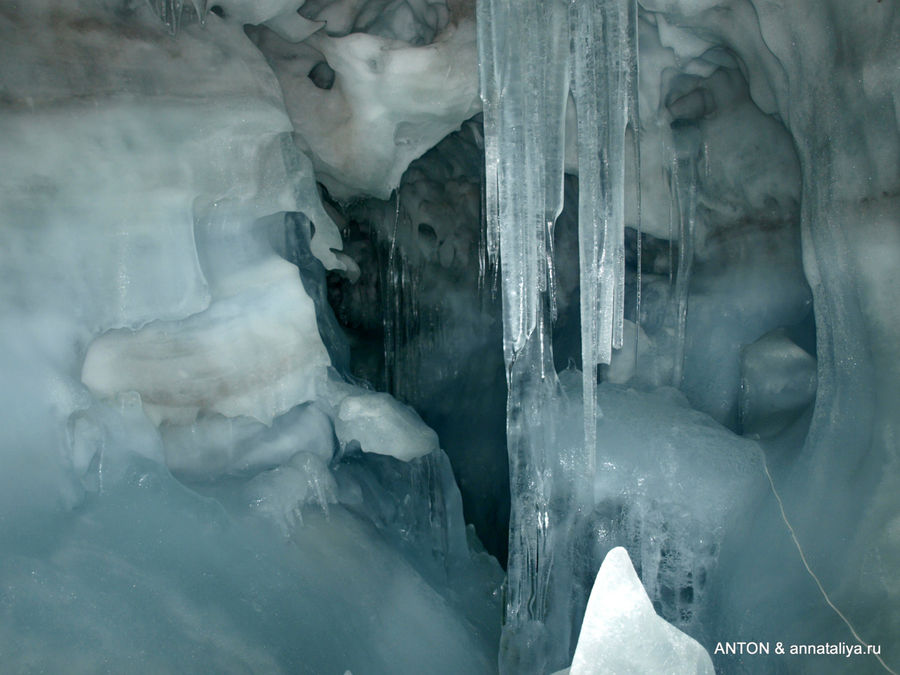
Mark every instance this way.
x=169 y=12
x=172 y=12
x=600 y=86
x=393 y=305
x=533 y=55
x=413 y=327
x=634 y=123
x=524 y=151
x=683 y=190
x=513 y=41
x=409 y=330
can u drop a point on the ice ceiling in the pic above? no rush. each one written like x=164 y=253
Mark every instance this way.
x=312 y=312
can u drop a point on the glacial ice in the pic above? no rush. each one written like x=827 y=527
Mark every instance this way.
x=188 y=460
x=148 y=562
x=720 y=109
x=215 y=445
x=151 y=325
x=181 y=368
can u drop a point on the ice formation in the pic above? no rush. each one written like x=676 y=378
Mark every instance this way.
x=700 y=56
x=365 y=104
x=270 y=338
x=162 y=332
x=584 y=50
x=379 y=424
x=622 y=634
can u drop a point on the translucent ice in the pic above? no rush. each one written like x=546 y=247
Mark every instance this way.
x=283 y=492
x=533 y=55
x=380 y=424
x=148 y=562
x=836 y=483
x=216 y=445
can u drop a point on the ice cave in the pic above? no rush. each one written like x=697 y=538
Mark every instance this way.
x=381 y=337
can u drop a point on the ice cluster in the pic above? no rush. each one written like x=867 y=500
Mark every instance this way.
x=762 y=193
x=291 y=291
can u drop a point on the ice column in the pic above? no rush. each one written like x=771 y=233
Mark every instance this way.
x=533 y=54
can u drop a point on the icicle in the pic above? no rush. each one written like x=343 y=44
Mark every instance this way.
x=553 y=100
x=551 y=273
x=202 y=8
x=600 y=84
x=482 y=242
x=671 y=159
x=169 y=12
x=488 y=61
x=526 y=48
x=634 y=120
x=686 y=201
x=524 y=77
x=390 y=303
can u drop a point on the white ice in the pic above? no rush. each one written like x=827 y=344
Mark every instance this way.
x=254 y=354
x=621 y=633
x=382 y=425
x=388 y=103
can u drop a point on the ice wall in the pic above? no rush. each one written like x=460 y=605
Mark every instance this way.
x=129 y=197
x=828 y=72
x=152 y=194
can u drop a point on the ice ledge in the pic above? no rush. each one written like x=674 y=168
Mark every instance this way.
x=384 y=426
x=622 y=633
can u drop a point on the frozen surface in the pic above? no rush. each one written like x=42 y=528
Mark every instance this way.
x=778 y=382
x=216 y=445
x=384 y=103
x=147 y=562
x=621 y=633
x=670 y=484
x=182 y=368
x=828 y=81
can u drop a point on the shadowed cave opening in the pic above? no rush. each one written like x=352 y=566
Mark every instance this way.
x=403 y=315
